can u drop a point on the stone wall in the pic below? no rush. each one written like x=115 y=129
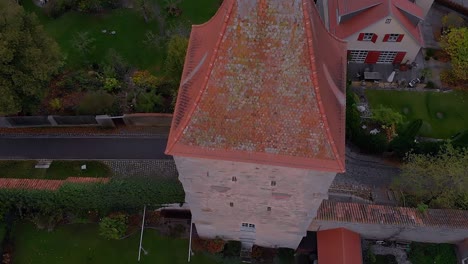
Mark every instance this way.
x=426 y=234
x=143 y=168
x=279 y=201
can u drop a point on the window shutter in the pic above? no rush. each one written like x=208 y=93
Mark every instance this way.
x=374 y=38
x=361 y=36
x=385 y=38
x=399 y=57
x=400 y=37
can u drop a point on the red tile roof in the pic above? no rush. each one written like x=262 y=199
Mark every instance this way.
x=263 y=82
x=389 y=215
x=40 y=184
x=339 y=246
x=369 y=12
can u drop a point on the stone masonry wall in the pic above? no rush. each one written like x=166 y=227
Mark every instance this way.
x=143 y=168
x=281 y=212
x=395 y=232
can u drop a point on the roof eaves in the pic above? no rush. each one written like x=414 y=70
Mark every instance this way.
x=309 y=33
x=190 y=111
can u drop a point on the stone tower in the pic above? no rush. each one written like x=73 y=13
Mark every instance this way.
x=258 y=129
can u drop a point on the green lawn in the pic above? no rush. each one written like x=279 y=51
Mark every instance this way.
x=81 y=244
x=57 y=170
x=443 y=114
x=130 y=32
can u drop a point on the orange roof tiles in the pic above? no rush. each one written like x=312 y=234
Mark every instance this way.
x=369 y=12
x=40 y=184
x=389 y=215
x=263 y=82
x=339 y=246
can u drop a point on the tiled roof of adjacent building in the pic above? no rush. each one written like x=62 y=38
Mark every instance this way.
x=41 y=184
x=263 y=82
x=389 y=215
x=349 y=17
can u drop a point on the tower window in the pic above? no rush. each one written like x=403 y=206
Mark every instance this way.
x=273 y=183
x=269 y=209
x=234 y=179
x=231 y=204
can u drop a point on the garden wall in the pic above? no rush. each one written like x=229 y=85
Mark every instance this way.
x=394 y=223
x=51 y=121
x=148 y=119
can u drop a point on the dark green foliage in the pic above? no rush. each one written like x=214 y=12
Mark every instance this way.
x=232 y=249
x=404 y=142
x=461 y=139
x=353 y=119
x=430 y=85
x=97 y=103
x=422 y=253
x=113 y=227
x=80 y=198
x=284 y=256
x=430 y=52
x=28 y=59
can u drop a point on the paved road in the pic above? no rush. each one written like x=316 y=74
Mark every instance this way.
x=82 y=148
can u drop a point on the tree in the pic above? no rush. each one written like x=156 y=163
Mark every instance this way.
x=455 y=43
x=452 y=20
x=387 y=117
x=28 y=59
x=439 y=181
x=146 y=9
x=176 y=51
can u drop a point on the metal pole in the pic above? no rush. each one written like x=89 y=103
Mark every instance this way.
x=141 y=235
x=190 y=242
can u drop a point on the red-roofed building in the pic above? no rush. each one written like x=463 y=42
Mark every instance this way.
x=339 y=246
x=377 y=31
x=258 y=129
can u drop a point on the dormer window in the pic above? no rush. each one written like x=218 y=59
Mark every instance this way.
x=367 y=37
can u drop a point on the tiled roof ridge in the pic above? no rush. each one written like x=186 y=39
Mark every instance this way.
x=45 y=184
x=191 y=110
x=390 y=215
x=314 y=79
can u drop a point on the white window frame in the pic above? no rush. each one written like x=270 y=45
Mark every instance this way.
x=386 y=57
x=248 y=227
x=358 y=56
x=368 y=36
x=393 y=37
x=388 y=21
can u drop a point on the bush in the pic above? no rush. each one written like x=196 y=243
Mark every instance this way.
x=427 y=58
x=232 y=249
x=211 y=246
x=430 y=52
x=404 y=142
x=78 y=198
x=422 y=253
x=95 y=103
x=113 y=227
x=430 y=85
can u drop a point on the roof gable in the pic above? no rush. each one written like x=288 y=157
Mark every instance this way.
x=260 y=93
x=344 y=24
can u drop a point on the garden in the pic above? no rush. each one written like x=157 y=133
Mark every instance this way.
x=101 y=57
x=442 y=113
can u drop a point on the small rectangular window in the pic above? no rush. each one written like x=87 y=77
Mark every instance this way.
x=368 y=36
x=234 y=179
x=231 y=204
x=393 y=37
x=273 y=183
x=269 y=209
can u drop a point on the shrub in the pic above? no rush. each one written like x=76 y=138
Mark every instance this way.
x=211 y=246
x=232 y=249
x=96 y=103
x=430 y=85
x=111 y=85
x=113 y=227
x=404 y=142
x=56 y=104
x=422 y=253
x=430 y=52
x=427 y=58
x=448 y=77
x=435 y=58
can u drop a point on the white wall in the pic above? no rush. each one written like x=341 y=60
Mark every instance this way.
x=408 y=44
x=294 y=200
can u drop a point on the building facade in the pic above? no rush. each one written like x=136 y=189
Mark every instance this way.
x=258 y=129
x=377 y=31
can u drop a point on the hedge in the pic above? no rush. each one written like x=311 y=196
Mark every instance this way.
x=80 y=198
